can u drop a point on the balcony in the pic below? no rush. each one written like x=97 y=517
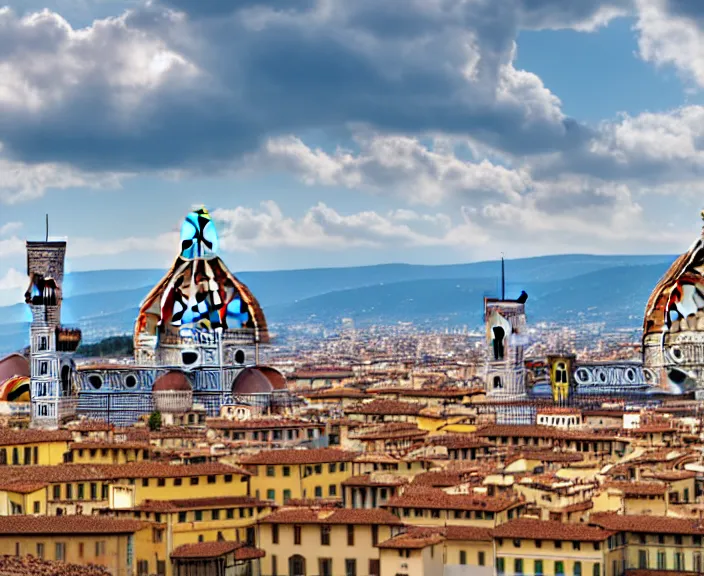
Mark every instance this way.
x=67 y=339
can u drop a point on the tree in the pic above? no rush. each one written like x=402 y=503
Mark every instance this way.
x=155 y=421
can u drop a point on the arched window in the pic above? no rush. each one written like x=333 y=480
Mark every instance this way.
x=498 y=342
x=498 y=382
x=561 y=373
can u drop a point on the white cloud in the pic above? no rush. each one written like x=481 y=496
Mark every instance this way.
x=324 y=228
x=21 y=181
x=394 y=164
x=670 y=38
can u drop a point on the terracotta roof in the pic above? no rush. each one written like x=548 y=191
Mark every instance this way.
x=22 y=487
x=98 y=445
x=31 y=566
x=261 y=423
x=216 y=549
x=434 y=498
x=647 y=524
x=321 y=373
x=550 y=530
x=535 y=431
x=331 y=516
x=72 y=524
x=459 y=441
x=338 y=392
x=639 y=488
x=293 y=456
x=468 y=533
x=376 y=479
x=205 y=502
x=390 y=431
x=78 y=472
x=10 y=436
x=545 y=456
x=429 y=392
x=415 y=538
x=385 y=408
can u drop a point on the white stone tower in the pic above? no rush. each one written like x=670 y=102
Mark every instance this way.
x=51 y=346
x=505 y=321
x=505 y=373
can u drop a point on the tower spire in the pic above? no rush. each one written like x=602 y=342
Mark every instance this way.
x=503 y=278
x=47 y=227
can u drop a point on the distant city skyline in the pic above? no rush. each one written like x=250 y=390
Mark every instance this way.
x=334 y=134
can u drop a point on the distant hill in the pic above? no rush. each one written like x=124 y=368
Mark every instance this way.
x=564 y=289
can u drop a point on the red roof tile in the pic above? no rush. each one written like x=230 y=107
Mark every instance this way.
x=526 y=528
x=647 y=524
x=331 y=516
x=436 y=499
x=217 y=549
x=76 y=524
x=302 y=456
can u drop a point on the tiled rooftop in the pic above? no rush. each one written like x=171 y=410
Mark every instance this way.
x=331 y=516
x=293 y=456
x=647 y=524
x=78 y=472
x=216 y=549
x=527 y=528
x=77 y=525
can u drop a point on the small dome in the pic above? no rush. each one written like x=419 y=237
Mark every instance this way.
x=258 y=381
x=277 y=379
x=172 y=392
x=172 y=381
x=13 y=365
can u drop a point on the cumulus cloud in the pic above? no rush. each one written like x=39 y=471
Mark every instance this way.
x=325 y=228
x=395 y=164
x=671 y=32
x=158 y=88
x=23 y=181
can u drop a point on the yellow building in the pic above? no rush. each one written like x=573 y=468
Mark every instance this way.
x=124 y=547
x=470 y=546
x=281 y=475
x=96 y=452
x=83 y=488
x=33 y=447
x=207 y=519
x=653 y=542
x=547 y=548
x=324 y=541
x=427 y=506
x=416 y=552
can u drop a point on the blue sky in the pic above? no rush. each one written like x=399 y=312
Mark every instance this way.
x=336 y=133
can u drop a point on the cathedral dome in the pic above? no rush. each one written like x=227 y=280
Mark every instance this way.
x=673 y=325
x=260 y=380
x=172 y=381
x=199 y=295
x=13 y=365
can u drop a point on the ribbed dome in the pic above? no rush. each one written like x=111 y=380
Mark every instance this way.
x=258 y=381
x=13 y=365
x=172 y=381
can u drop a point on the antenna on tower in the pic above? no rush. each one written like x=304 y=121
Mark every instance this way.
x=503 y=278
x=47 y=227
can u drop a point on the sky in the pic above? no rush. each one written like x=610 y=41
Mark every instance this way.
x=332 y=133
